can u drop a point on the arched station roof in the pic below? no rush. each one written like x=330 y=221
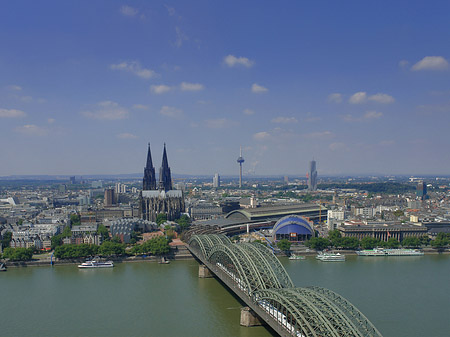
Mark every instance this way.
x=293 y=224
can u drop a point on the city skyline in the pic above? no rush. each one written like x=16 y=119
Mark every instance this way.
x=363 y=88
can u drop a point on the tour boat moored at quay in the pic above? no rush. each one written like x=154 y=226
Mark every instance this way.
x=96 y=264
x=389 y=252
x=330 y=257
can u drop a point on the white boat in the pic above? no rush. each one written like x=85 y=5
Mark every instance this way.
x=330 y=257
x=2 y=267
x=296 y=257
x=96 y=264
x=390 y=252
x=371 y=252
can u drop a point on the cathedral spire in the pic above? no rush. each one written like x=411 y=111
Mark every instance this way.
x=149 y=158
x=165 y=178
x=149 y=181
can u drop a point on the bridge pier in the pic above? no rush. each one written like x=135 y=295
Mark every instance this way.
x=250 y=318
x=204 y=272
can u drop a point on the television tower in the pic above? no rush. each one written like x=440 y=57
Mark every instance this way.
x=240 y=160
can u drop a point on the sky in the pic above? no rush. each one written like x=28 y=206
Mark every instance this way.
x=363 y=87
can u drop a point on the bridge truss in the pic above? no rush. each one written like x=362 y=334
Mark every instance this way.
x=258 y=277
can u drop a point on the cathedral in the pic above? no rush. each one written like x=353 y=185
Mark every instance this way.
x=161 y=197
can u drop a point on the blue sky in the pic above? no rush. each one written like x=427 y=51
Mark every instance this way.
x=361 y=86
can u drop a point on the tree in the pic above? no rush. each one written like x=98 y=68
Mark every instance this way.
x=109 y=248
x=284 y=245
x=411 y=242
x=442 y=240
x=398 y=213
x=184 y=221
x=424 y=240
x=349 y=243
x=75 y=251
x=7 y=237
x=318 y=243
x=103 y=231
x=74 y=219
x=56 y=241
x=67 y=232
x=335 y=237
x=156 y=246
x=161 y=218
x=18 y=254
x=369 y=242
x=391 y=243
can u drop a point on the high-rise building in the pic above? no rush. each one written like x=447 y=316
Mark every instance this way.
x=216 y=180
x=240 y=160
x=312 y=176
x=421 y=190
x=162 y=198
x=110 y=198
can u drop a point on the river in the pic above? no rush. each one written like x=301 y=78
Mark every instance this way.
x=402 y=296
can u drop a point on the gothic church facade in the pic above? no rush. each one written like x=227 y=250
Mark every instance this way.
x=159 y=198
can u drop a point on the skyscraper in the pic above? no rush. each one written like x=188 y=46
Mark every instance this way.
x=240 y=160
x=110 y=198
x=421 y=190
x=312 y=176
x=216 y=180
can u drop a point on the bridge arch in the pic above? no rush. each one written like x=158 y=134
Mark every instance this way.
x=252 y=263
x=203 y=243
x=314 y=312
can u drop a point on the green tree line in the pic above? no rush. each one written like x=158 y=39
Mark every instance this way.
x=337 y=241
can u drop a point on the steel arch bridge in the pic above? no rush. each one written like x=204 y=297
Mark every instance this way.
x=253 y=272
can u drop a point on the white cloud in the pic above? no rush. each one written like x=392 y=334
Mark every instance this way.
x=358 y=98
x=369 y=115
x=107 y=110
x=248 y=112
x=160 y=89
x=31 y=130
x=260 y=136
x=128 y=10
x=51 y=120
x=382 y=98
x=135 y=68
x=170 y=10
x=220 y=123
x=181 y=37
x=185 y=86
x=140 y=107
x=232 y=61
x=26 y=98
x=335 y=97
x=171 y=112
x=284 y=120
x=126 y=136
x=431 y=63
x=11 y=113
x=258 y=89
x=15 y=87
x=337 y=146
x=403 y=63
x=373 y=115
x=319 y=135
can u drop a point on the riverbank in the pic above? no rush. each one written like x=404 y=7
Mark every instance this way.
x=178 y=253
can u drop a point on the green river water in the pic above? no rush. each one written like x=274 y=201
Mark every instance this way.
x=402 y=296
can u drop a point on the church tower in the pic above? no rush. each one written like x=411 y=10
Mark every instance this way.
x=165 y=178
x=161 y=198
x=149 y=181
